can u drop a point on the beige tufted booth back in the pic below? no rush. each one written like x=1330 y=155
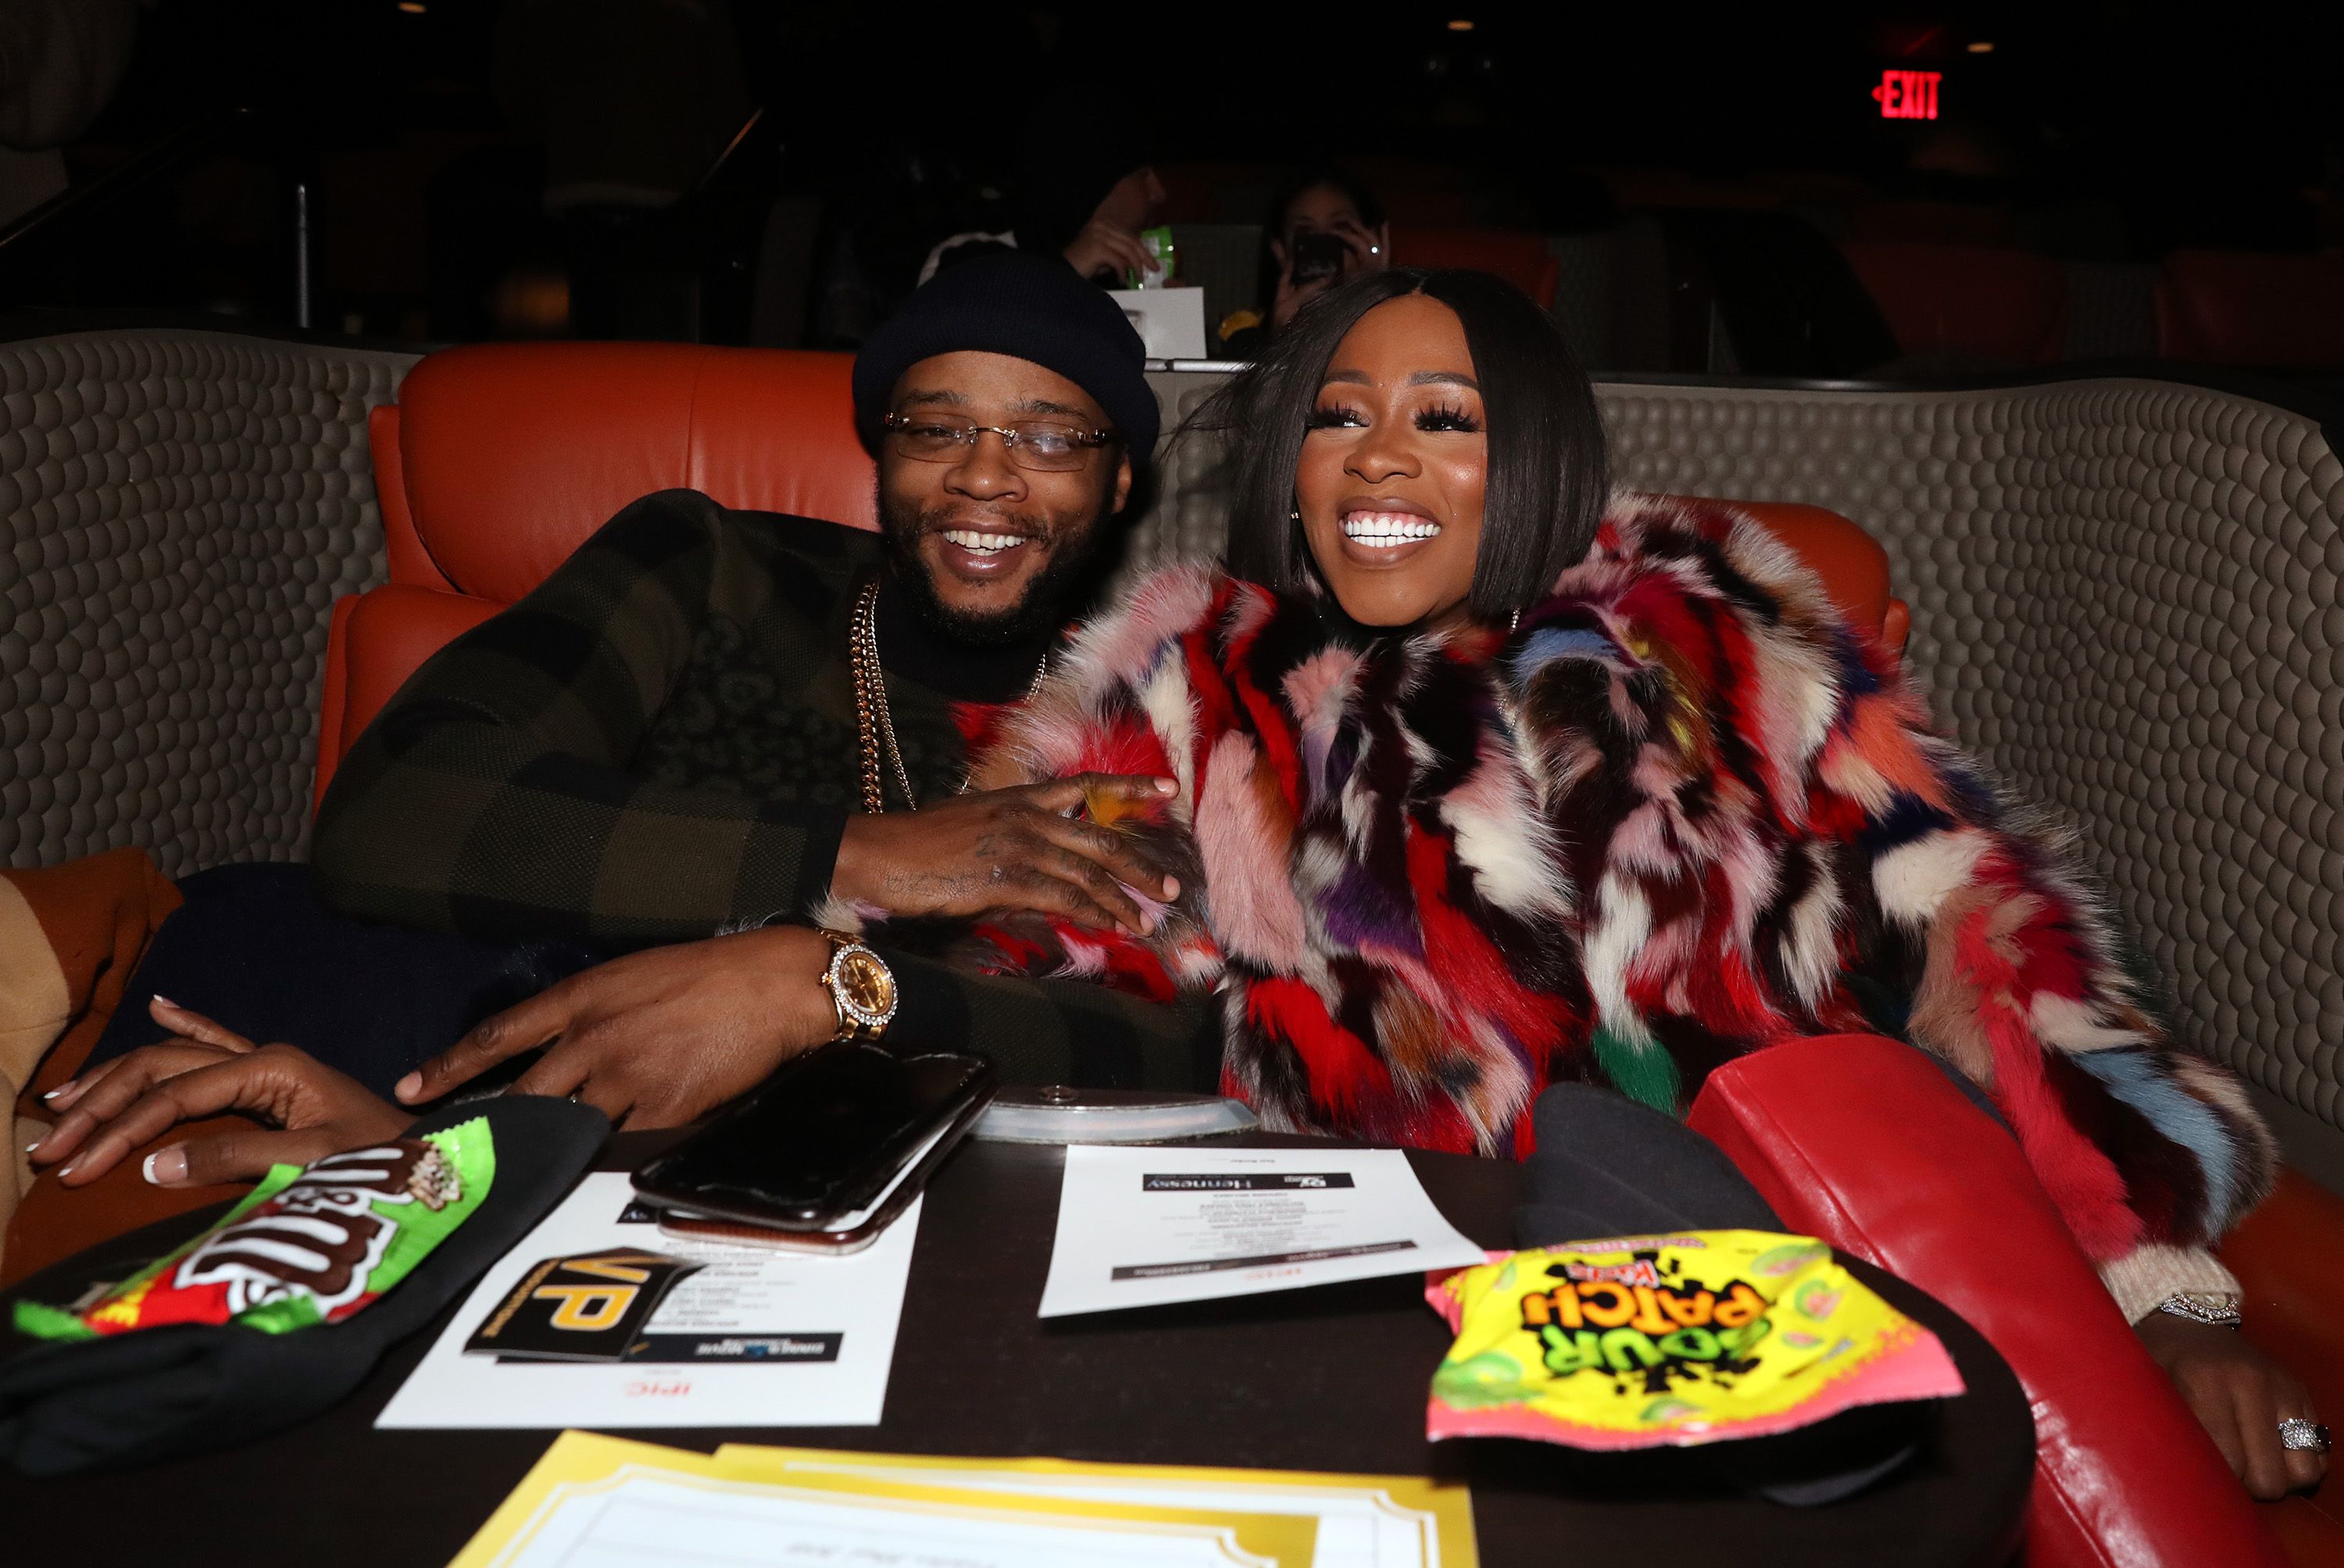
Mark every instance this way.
x=2128 y=596
x=179 y=511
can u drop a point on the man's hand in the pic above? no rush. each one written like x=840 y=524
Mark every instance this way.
x=658 y=1037
x=1105 y=245
x=1006 y=849
x=2240 y=1396
x=308 y=1110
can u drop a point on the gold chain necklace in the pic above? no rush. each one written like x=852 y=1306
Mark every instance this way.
x=874 y=725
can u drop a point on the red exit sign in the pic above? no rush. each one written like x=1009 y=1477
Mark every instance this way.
x=1908 y=95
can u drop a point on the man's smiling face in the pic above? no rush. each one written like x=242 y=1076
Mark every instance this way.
x=990 y=543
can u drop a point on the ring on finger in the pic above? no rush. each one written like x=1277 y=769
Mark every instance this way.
x=2302 y=1435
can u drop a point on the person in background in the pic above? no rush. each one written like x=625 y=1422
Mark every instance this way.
x=1104 y=249
x=1324 y=227
x=1085 y=196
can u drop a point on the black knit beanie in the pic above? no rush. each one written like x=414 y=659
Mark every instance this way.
x=1026 y=306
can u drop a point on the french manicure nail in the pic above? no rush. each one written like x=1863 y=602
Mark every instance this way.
x=407 y=1088
x=58 y=1090
x=1165 y=786
x=1171 y=888
x=168 y=1003
x=166 y=1166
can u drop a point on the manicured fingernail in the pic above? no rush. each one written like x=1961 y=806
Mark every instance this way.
x=407 y=1088
x=1171 y=888
x=166 y=1002
x=1165 y=786
x=61 y=1089
x=34 y=1146
x=166 y=1166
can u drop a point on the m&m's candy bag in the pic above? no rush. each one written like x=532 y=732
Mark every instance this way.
x=1689 y=1338
x=305 y=1246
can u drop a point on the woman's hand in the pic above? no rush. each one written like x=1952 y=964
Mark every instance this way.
x=1105 y=245
x=2240 y=1396
x=1291 y=297
x=658 y=1037
x=307 y=1109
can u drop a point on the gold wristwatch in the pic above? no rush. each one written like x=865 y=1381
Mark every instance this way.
x=860 y=985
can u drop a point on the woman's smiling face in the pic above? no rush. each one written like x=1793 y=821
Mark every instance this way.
x=1390 y=479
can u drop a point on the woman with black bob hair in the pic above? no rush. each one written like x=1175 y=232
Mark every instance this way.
x=1548 y=472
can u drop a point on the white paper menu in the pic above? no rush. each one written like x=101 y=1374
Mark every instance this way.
x=1140 y=1227
x=756 y=1338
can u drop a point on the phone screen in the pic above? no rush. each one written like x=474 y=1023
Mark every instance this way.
x=823 y=1136
x=1318 y=255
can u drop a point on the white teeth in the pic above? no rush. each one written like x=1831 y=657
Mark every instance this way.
x=1388 y=527
x=983 y=544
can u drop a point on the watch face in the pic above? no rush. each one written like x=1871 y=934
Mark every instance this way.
x=865 y=984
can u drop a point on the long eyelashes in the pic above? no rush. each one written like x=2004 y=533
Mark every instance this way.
x=1447 y=417
x=1443 y=417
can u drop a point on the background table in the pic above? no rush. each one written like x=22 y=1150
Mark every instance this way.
x=1332 y=1378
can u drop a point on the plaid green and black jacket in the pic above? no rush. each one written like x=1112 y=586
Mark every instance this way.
x=659 y=744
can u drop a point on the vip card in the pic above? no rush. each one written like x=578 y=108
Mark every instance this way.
x=591 y=1308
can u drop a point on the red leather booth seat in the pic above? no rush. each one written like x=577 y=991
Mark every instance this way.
x=2232 y=307
x=498 y=461
x=1864 y=1142
x=2001 y=305
x=1522 y=259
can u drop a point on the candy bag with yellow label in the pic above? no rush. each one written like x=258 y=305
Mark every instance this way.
x=1693 y=1337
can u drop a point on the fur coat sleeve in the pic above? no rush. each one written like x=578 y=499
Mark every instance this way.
x=1764 y=821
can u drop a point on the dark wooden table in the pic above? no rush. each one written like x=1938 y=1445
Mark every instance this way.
x=1332 y=1378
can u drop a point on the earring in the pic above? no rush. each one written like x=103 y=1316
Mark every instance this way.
x=1294 y=514
x=1515 y=624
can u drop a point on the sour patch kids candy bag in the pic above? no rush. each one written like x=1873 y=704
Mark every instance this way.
x=1689 y=1338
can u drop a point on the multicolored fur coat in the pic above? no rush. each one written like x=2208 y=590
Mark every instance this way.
x=1681 y=812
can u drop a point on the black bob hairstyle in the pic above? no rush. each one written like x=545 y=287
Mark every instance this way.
x=1548 y=475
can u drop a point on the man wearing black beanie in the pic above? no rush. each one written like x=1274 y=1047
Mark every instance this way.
x=709 y=720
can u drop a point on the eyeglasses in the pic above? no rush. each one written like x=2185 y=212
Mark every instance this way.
x=1031 y=444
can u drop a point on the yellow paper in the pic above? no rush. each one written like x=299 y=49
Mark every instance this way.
x=583 y=1467
x=1439 y=1513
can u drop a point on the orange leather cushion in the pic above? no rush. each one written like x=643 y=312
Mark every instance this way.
x=379 y=639
x=2005 y=305
x=1521 y=259
x=2229 y=308
x=1853 y=565
x=510 y=455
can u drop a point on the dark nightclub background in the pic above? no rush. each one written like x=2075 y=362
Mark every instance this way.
x=441 y=171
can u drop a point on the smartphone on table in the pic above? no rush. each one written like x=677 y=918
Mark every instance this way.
x=831 y=1148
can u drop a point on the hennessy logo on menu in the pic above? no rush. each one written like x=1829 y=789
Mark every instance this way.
x=1281 y=1181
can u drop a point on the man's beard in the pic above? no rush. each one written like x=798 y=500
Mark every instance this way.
x=1069 y=576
